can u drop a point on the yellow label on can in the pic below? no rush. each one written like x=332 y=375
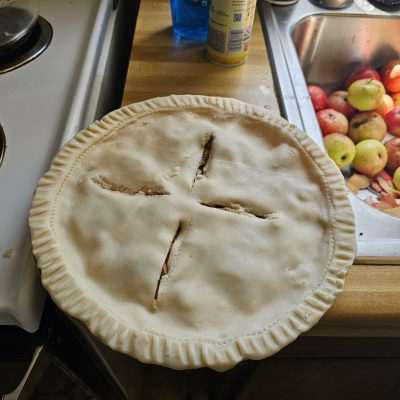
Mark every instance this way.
x=229 y=29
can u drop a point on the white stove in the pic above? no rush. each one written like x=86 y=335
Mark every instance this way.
x=42 y=104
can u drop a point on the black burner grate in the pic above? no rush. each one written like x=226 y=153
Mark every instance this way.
x=28 y=48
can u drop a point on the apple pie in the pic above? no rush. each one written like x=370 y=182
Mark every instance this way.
x=193 y=231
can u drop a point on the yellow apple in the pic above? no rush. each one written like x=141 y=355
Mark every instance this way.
x=367 y=125
x=371 y=157
x=396 y=178
x=386 y=105
x=366 y=94
x=340 y=149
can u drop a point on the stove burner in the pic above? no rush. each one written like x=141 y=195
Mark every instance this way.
x=2 y=145
x=386 y=5
x=28 y=48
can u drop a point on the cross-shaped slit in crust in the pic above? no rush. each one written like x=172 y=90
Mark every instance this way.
x=165 y=267
x=201 y=172
x=236 y=209
x=201 y=169
x=105 y=183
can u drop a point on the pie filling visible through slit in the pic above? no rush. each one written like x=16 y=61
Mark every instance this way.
x=192 y=231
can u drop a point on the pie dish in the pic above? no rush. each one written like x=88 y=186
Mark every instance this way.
x=193 y=231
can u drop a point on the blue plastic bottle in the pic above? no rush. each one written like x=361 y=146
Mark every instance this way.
x=190 y=19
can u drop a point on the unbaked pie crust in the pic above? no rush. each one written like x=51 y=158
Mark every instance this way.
x=193 y=231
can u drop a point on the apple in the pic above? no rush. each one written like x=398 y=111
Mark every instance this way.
x=363 y=73
x=340 y=149
x=391 y=76
x=396 y=178
x=318 y=97
x=366 y=94
x=331 y=121
x=367 y=125
x=338 y=101
x=371 y=157
x=393 y=151
x=386 y=105
x=396 y=99
x=392 y=119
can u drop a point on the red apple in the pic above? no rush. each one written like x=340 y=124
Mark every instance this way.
x=363 y=73
x=396 y=99
x=331 y=121
x=338 y=101
x=393 y=151
x=385 y=106
x=318 y=97
x=392 y=119
x=391 y=76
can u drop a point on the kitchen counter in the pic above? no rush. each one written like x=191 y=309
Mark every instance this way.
x=160 y=66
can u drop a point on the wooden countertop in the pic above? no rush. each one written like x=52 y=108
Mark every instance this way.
x=160 y=66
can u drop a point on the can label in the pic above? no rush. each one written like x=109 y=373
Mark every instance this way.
x=229 y=29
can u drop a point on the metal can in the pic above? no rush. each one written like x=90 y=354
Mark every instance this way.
x=230 y=24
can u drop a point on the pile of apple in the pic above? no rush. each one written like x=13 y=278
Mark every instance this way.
x=361 y=129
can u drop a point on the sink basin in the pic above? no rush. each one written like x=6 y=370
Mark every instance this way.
x=308 y=44
x=330 y=47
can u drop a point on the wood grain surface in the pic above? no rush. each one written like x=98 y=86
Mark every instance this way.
x=160 y=66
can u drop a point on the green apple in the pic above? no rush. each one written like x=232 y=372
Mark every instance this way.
x=396 y=178
x=366 y=94
x=371 y=157
x=340 y=149
x=367 y=125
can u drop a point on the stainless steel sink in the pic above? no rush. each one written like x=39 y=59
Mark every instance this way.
x=330 y=47
x=309 y=44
